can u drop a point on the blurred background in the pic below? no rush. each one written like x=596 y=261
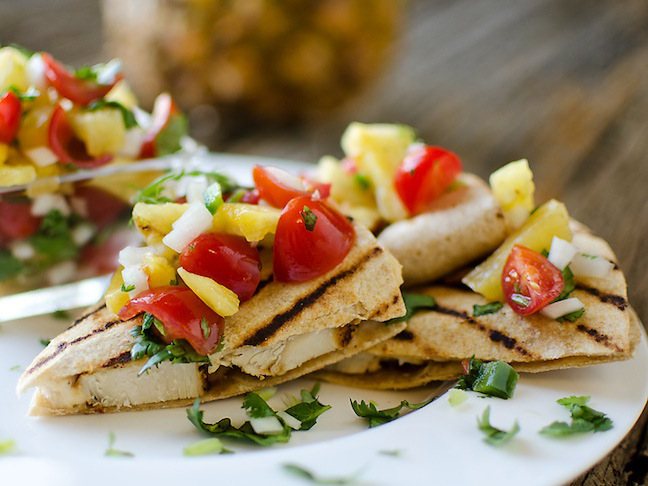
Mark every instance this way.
x=561 y=83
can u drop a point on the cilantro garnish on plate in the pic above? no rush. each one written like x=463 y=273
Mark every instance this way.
x=583 y=419
x=495 y=436
x=377 y=417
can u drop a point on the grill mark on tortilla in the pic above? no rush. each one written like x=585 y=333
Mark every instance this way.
x=345 y=334
x=493 y=334
x=280 y=320
x=125 y=357
x=85 y=316
x=616 y=300
x=64 y=345
x=598 y=337
x=404 y=336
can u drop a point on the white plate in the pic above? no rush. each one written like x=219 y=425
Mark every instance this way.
x=439 y=444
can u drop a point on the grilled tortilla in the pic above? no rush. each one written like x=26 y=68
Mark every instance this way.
x=283 y=332
x=460 y=227
x=437 y=340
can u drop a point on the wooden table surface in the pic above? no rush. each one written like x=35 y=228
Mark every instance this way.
x=564 y=84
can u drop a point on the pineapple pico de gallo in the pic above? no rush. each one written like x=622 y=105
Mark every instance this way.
x=55 y=120
x=209 y=244
x=387 y=175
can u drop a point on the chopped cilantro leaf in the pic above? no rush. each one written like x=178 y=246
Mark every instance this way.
x=29 y=95
x=568 y=277
x=53 y=241
x=309 y=218
x=307 y=411
x=61 y=314
x=490 y=308
x=168 y=140
x=391 y=452
x=414 y=303
x=45 y=342
x=362 y=180
x=127 y=115
x=495 y=436
x=153 y=193
x=15 y=368
x=9 y=265
x=129 y=288
x=111 y=451
x=583 y=419
x=174 y=281
x=377 y=417
x=86 y=73
x=309 y=476
x=147 y=344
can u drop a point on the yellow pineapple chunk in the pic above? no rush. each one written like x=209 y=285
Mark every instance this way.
x=549 y=220
x=248 y=220
x=344 y=186
x=14 y=174
x=154 y=220
x=122 y=94
x=13 y=65
x=513 y=187
x=34 y=128
x=115 y=298
x=102 y=131
x=159 y=270
x=218 y=298
x=378 y=149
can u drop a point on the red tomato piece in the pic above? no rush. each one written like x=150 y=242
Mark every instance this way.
x=10 y=115
x=16 y=220
x=79 y=91
x=424 y=175
x=251 y=197
x=227 y=259
x=103 y=208
x=277 y=187
x=305 y=247
x=69 y=148
x=530 y=281
x=181 y=313
x=102 y=258
x=163 y=110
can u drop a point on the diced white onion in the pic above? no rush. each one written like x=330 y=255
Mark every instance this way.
x=184 y=185
x=132 y=143
x=134 y=255
x=36 y=72
x=82 y=234
x=591 y=266
x=561 y=308
x=41 y=156
x=135 y=276
x=266 y=425
x=61 y=273
x=196 y=192
x=196 y=220
x=289 y=420
x=108 y=74
x=143 y=119
x=561 y=253
x=22 y=250
x=286 y=178
x=50 y=202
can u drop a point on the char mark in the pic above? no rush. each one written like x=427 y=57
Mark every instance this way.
x=616 y=300
x=85 y=316
x=345 y=334
x=280 y=319
x=404 y=336
x=64 y=345
x=598 y=337
x=125 y=357
x=493 y=334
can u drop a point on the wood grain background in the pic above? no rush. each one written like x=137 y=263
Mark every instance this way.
x=563 y=83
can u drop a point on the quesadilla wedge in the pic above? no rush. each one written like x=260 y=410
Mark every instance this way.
x=429 y=214
x=238 y=309
x=436 y=341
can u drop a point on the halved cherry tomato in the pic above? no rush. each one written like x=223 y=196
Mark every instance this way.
x=79 y=91
x=163 y=110
x=530 y=281
x=424 y=175
x=10 y=114
x=304 y=247
x=103 y=208
x=277 y=187
x=181 y=313
x=69 y=148
x=16 y=220
x=227 y=259
x=251 y=197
